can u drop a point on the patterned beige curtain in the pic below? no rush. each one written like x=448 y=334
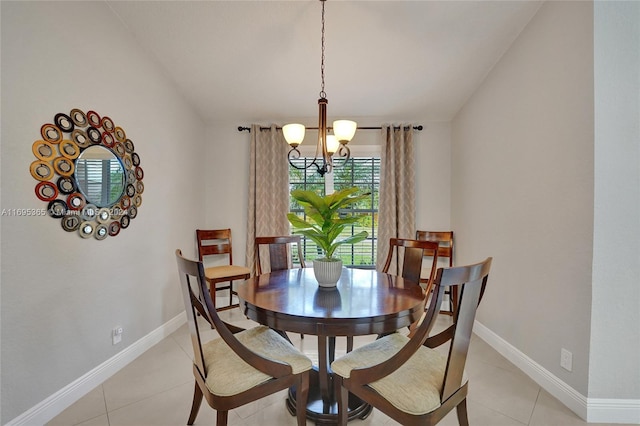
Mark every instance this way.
x=268 y=188
x=396 y=217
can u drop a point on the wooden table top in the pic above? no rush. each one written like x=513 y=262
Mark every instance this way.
x=363 y=302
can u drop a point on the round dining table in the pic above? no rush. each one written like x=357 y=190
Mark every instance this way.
x=364 y=302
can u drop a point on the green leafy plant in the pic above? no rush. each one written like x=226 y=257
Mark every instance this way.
x=324 y=224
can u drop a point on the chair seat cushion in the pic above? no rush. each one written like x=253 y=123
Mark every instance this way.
x=414 y=387
x=217 y=272
x=228 y=374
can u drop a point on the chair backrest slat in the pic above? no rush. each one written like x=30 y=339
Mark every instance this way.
x=414 y=252
x=280 y=249
x=471 y=281
x=443 y=238
x=278 y=257
x=459 y=344
x=214 y=242
x=192 y=297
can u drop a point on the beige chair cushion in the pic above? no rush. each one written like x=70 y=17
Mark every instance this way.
x=413 y=388
x=228 y=374
x=217 y=272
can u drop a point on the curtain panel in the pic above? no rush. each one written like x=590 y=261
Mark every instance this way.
x=397 y=209
x=268 y=188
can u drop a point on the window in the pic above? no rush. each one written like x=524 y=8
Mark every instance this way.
x=362 y=172
x=102 y=180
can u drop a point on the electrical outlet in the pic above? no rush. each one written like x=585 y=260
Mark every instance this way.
x=566 y=359
x=116 y=335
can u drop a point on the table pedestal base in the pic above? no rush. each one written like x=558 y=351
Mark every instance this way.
x=326 y=412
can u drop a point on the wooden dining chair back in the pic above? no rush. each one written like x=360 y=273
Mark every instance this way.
x=444 y=240
x=383 y=373
x=278 y=253
x=216 y=243
x=445 y=253
x=409 y=255
x=240 y=366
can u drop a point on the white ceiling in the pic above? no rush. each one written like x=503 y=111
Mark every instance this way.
x=259 y=61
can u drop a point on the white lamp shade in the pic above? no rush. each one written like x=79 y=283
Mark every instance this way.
x=293 y=133
x=332 y=144
x=344 y=130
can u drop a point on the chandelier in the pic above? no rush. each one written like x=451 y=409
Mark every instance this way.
x=328 y=145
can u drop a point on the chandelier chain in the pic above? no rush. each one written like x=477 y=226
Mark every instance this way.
x=323 y=94
x=328 y=145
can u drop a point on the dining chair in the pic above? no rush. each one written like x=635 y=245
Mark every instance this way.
x=240 y=366
x=384 y=372
x=445 y=251
x=277 y=253
x=216 y=244
x=409 y=255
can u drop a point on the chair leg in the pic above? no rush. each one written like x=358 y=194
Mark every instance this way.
x=449 y=291
x=222 y=418
x=343 y=402
x=195 y=406
x=212 y=292
x=461 y=410
x=302 y=396
x=349 y=343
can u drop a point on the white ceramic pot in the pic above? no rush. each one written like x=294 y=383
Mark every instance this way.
x=327 y=272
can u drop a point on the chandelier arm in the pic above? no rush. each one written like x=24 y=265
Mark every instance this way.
x=343 y=155
x=294 y=154
x=344 y=152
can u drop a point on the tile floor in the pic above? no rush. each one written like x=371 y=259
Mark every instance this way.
x=157 y=388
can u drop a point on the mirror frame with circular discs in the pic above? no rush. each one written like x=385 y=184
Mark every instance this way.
x=85 y=143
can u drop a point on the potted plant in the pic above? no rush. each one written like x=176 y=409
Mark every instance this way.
x=324 y=225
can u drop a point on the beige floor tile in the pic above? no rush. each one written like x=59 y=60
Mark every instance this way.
x=92 y=405
x=481 y=352
x=480 y=415
x=510 y=393
x=162 y=367
x=550 y=412
x=102 y=420
x=247 y=411
x=157 y=389
x=168 y=408
x=183 y=338
x=272 y=413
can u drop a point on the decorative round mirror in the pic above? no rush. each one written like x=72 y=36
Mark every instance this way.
x=100 y=176
x=88 y=174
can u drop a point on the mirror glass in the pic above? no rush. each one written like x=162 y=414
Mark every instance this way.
x=100 y=176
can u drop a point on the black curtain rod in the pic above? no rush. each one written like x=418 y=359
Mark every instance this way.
x=248 y=129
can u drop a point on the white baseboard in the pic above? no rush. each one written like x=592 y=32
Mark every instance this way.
x=65 y=397
x=593 y=410
x=602 y=410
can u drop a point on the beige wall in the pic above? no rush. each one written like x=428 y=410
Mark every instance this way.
x=522 y=189
x=62 y=295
